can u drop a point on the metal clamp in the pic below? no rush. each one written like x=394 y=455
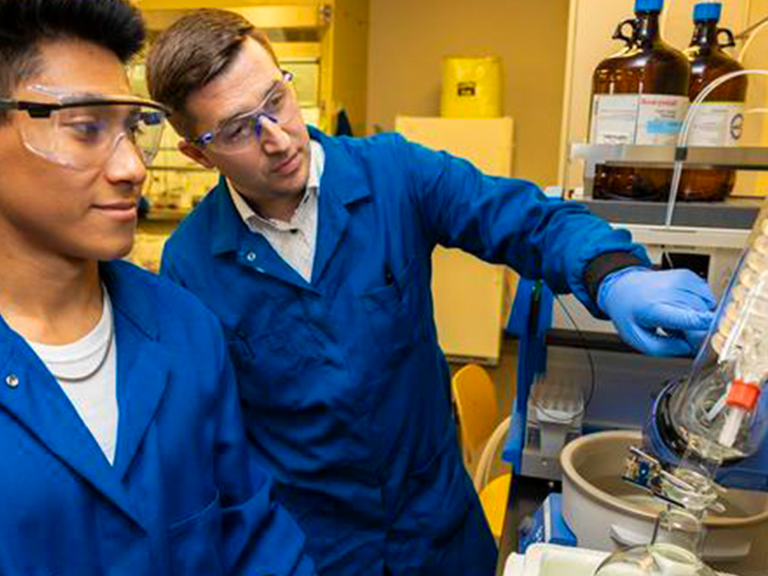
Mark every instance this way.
x=648 y=473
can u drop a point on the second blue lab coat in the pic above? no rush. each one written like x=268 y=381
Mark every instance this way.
x=345 y=391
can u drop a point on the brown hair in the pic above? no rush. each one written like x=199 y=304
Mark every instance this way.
x=194 y=51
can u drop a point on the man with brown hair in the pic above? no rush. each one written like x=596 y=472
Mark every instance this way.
x=314 y=252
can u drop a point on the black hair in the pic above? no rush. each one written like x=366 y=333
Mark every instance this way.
x=115 y=25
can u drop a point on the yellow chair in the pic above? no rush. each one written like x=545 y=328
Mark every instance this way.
x=477 y=412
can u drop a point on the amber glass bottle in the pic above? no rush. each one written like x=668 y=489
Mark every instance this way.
x=718 y=120
x=640 y=96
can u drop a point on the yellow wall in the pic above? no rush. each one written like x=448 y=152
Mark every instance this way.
x=408 y=40
x=349 y=60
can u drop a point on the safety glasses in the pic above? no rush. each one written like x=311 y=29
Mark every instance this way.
x=81 y=130
x=278 y=106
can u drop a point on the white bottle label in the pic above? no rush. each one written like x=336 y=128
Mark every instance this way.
x=614 y=119
x=659 y=119
x=717 y=124
x=644 y=119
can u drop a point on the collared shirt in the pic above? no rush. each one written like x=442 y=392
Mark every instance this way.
x=296 y=239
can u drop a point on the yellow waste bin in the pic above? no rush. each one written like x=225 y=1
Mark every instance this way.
x=471 y=87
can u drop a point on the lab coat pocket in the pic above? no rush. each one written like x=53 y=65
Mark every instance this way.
x=389 y=310
x=271 y=366
x=438 y=495
x=196 y=542
x=332 y=527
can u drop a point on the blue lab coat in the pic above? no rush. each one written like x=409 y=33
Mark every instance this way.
x=345 y=391
x=185 y=496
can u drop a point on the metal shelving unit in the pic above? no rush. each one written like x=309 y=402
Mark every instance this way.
x=593 y=155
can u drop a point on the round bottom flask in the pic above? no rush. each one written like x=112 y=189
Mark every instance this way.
x=674 y=550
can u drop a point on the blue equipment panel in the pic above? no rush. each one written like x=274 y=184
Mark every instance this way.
x=547 y=526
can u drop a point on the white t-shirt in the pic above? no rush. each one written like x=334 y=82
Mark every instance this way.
x=87 y=372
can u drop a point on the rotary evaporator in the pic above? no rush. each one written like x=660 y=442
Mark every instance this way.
x=715 y=418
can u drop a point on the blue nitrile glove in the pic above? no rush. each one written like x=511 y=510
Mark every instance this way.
x=663 y=313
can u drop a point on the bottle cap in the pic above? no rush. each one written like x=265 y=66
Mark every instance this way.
x=743 y=395
x=707 y=12
x=649 y=5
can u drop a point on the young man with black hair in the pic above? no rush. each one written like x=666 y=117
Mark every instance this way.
x=122 y=445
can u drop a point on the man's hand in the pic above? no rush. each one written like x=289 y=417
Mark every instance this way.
x=659 y=313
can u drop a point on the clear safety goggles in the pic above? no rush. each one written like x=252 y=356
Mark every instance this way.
x=239 y=133
x=82 y=130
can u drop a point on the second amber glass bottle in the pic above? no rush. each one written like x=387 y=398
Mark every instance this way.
x=719 y=120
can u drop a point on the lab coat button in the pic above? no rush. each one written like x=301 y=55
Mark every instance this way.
x=12 y=381
x=251 y=256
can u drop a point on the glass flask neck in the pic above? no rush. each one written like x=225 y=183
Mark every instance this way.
x=681 y=528
x=705 y=35
x=648 y=29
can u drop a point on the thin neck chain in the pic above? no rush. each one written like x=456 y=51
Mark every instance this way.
x=101 y=363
